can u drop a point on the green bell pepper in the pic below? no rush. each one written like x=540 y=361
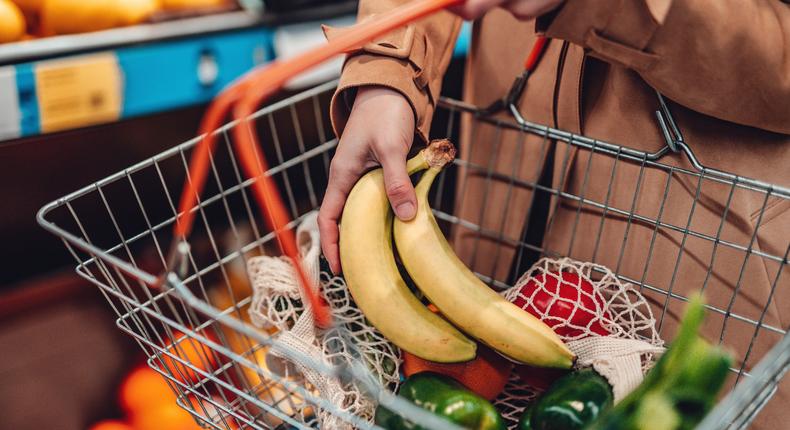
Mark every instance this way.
x=571 y=403
x=446 y=398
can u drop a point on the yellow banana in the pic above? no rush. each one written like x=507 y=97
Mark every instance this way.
x=460 y=295
x=372 y=276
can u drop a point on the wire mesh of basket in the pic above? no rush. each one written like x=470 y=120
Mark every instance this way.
x=191 y=319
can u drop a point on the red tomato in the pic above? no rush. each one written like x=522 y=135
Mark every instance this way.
x=571 y=302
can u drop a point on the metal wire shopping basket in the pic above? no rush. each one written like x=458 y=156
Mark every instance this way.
x=124 y=250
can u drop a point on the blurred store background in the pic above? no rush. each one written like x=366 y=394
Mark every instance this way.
x=87 y=88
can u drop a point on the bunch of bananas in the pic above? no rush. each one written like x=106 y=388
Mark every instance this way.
x=469 y=306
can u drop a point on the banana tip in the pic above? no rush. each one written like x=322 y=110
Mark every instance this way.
x=439 y=153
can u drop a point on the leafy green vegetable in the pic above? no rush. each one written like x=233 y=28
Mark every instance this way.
x=682 y=387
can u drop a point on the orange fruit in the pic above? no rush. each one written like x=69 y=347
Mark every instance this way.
x=168 y=416
x=142 y=389
x=82 y=16
x=193 y=4
x=111 y=425
x=211 y=413
x=188 y=350
x=131 y=12
x=29 y=6
x=485 y=375
x=12 y=22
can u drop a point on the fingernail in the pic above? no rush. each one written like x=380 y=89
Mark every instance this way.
x=405 y=211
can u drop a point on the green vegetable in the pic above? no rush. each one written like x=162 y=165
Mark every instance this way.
x=682 y=387
x=445 y=397
x=571 y=403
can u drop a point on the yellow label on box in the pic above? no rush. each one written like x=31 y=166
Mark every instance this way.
x=77 y=92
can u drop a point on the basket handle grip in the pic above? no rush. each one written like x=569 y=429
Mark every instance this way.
x=243 y=98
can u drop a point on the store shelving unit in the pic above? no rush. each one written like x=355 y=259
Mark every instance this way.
x=67 y=82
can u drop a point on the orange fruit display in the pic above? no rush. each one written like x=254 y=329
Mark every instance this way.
x=167 y=416
x=111 y=425
x=81 y=16
x=185 y=349
x=143 y=388
x=485 y=375
x=193 y=4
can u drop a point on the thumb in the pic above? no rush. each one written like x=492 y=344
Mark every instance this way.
x=400 y=191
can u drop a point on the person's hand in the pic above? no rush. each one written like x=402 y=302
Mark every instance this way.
x=521 y=9
x=380 y=131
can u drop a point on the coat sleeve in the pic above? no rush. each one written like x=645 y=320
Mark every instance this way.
x=725 y=58
x=411 y=61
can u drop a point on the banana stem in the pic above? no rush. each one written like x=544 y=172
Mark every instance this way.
x=439 y=153
x=433 y=158
x=417 y=163
x=436 y=155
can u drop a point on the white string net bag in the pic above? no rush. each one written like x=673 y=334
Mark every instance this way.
x=608 y=324
x=277 y=304
x=515 y=398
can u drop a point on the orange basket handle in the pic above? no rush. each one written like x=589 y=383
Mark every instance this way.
x=538 y=49
x=244 y=97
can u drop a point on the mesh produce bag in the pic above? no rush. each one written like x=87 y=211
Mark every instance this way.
x=628 y=349
x=617 y=336
x=277 y=303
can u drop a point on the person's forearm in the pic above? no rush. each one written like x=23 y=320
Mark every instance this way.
x=726 y=58
x=411 y=61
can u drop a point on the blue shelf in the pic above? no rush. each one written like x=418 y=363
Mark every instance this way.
x=28 y=103
x=160 y=76
x=165 y=76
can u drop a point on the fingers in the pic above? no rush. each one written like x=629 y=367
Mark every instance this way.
x=367 y=141
x=521 y=9
x=398 y=185
x=342 y=177
x=473 y=9
x=341 y=180
x=528 y=9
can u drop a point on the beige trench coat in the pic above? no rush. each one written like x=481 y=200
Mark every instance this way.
x=725 y=66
